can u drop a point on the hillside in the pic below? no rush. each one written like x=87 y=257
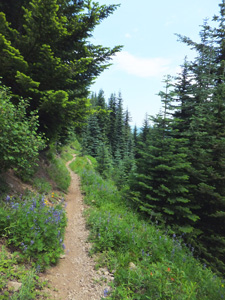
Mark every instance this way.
x=139 y=259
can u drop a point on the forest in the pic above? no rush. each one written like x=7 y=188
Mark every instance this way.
x=171 y=171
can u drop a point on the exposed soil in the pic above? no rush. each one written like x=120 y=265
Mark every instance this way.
x=75 y=278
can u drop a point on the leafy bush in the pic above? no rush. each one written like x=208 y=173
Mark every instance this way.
x=19 y=140
x=35 y=227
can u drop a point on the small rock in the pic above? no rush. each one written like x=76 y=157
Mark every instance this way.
x=15 y=285
x=132 y=266
x=62 y=256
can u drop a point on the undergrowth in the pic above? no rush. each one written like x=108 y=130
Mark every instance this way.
x=13 y=270
x=147 y=263
x=32 y=230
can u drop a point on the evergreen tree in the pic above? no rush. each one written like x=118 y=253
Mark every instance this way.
x=161 y=184
x=111 y=128
x=92 y=138
x=45 y=55
x=135 y=140
x=120 y=129
x=204 y=127
x=102 y=114
x=104 y=159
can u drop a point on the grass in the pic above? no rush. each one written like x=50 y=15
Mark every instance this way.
x=146 y=262
x=57 y=169
x=42 y=185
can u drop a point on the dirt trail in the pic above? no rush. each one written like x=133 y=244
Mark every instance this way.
x=74 y=278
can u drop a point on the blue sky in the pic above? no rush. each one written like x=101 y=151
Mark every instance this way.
x=146 y=29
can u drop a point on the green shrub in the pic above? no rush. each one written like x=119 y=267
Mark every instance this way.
x=19 y=141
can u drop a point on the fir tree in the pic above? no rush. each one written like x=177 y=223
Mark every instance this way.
x=111 y=128
x=161 y=183
x=46 y=55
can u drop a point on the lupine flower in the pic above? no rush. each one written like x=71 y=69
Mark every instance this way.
x=106 y=292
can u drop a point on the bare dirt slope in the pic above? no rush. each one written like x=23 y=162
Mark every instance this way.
x=74 y=278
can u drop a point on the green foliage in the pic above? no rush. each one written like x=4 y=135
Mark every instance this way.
x=35 y=228
x=160 y=185
x=46 y=55
x=83 y=163
x=11 y=269
x=19 y=140
x=42 y=185
x=3 y=186
x=59 y=173
x=180 y=161
x=57 y=170
x=108 y=138
x=147 y=263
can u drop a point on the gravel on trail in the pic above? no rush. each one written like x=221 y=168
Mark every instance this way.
x=75 y=277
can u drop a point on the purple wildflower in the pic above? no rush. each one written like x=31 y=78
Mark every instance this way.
x=106 y=292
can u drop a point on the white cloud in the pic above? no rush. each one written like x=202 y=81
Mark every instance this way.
x=142 y=67
x=128 y=35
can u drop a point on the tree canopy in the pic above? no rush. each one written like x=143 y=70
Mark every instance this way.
x=46 y=56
